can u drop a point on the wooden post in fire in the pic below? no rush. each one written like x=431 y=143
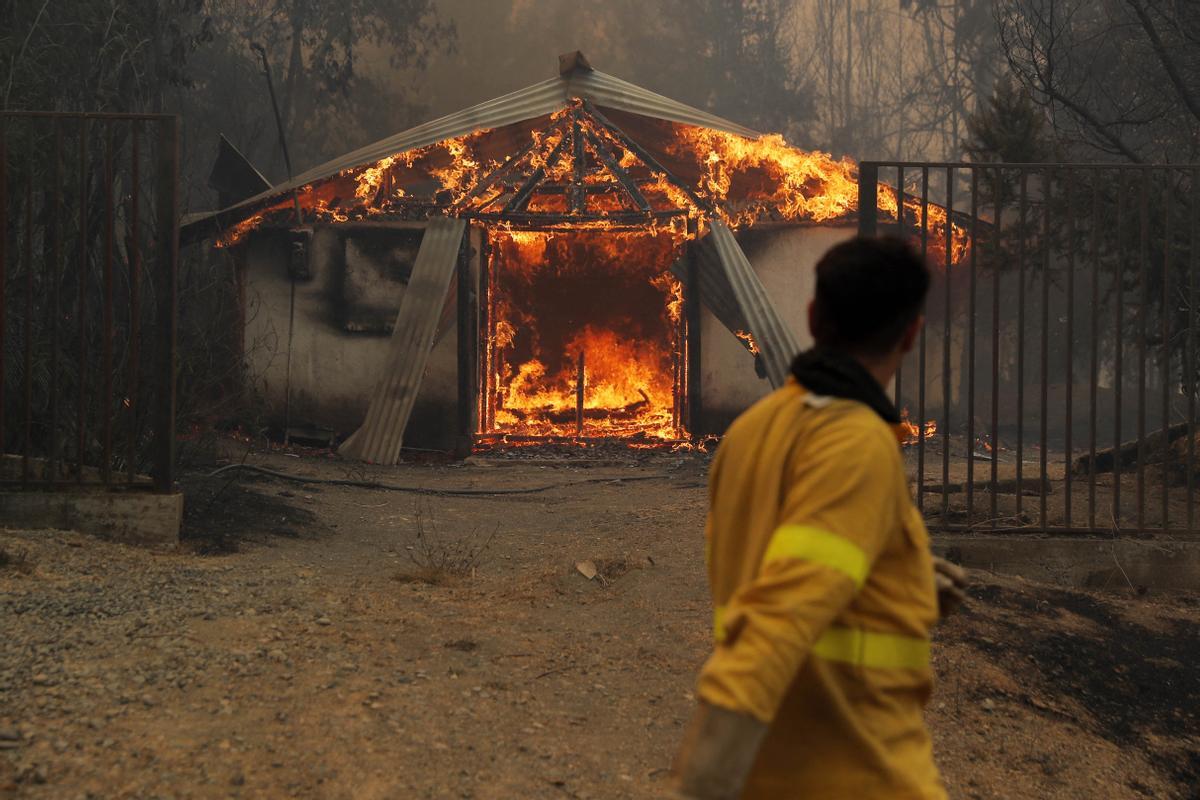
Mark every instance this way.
x=691 y=308
x=579 y=388
x=467 y=302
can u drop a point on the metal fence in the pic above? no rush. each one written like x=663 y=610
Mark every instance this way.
x=1054 y=385
x=89 y=221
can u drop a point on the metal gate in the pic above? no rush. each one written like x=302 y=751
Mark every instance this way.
x=1054 y=386
x=89 y=223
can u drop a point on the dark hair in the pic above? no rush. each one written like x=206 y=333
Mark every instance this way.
x=868 y=292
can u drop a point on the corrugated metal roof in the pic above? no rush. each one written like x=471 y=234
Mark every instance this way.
x=534 y=101
x=382 y=433
x=777 y=345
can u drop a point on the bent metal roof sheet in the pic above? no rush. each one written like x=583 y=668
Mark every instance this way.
x=581 y=82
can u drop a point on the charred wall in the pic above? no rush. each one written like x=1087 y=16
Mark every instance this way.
x=344 y=314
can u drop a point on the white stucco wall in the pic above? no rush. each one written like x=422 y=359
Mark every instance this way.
x=784 y=260
x=333 y=371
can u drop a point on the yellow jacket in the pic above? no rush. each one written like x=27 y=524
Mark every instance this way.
x=821 y=573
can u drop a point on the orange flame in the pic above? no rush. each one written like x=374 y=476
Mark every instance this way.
x=912 y=433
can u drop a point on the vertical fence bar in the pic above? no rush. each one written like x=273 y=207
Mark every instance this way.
x=106 y=378
x=921 y=355
x=997 y=259
x=80 y=308
x=899 y=232
x=168 y=278
x=1069 y=204
x=1193 y=268
x=971 y=321
x=1119 y=351
x=868 y=197
x=1023 y=208
x=1143 y=331
x=1094 y=365
x=27 y=451
x=3 y=274
x=946 y=311
x=1044 y=366
x=135 y=278
x=56 y=267
x=1168 y=210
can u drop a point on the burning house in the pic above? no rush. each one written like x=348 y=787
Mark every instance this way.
x=559 y=263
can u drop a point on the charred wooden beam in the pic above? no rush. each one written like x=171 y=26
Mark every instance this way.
x=578 y=164
x=644 y=155
x=521 y=198
x=630 y=218
x=610 y=162
x=496 y=174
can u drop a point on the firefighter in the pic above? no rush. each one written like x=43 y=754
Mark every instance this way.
x=819 y=565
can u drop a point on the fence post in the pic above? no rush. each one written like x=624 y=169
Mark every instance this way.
x=167 y=290
x=868 y=197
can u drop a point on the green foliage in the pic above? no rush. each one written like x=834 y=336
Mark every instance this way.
x=97 y=55
x=1009 y=128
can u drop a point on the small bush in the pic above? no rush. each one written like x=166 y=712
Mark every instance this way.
x=18 y=561
x=439 y=560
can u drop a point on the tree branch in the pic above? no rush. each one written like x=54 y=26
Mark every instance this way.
x=1165 y=59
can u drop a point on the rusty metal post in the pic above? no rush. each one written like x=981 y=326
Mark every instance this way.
x=26 y=466
x=166 y=289
x=56 y=269
x=997 y=200
x=1168 y=211
x=971 y=322
x=1193 y=296
x=1094 y=365
x=135 y=279
x=3 y=271
x=1142 y=333
x=1044 y=373
x=1068 y=201
x=1022 y=221
x=692 y=314
x=868 y=197
x=899 y=382
x=1119 y=353
x=946 y=364
x=580 y=378
x=921 y=378
x=81 y=306
x=105 y=405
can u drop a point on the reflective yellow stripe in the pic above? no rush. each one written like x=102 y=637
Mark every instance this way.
x=821 y=547
x=870 y=649
x=858 y=647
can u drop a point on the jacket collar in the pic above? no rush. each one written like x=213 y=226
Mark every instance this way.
x=828 y=372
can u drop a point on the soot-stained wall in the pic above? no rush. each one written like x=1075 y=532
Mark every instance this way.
x=784 y=260
x=344 y=314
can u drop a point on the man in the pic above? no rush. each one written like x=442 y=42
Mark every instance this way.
x=820 y=567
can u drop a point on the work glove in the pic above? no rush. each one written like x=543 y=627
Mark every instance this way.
x=718 y=750
x=951 y=580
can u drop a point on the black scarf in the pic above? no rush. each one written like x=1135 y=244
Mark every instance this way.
x=827 y=372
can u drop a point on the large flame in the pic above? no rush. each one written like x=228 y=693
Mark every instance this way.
x=631 y=356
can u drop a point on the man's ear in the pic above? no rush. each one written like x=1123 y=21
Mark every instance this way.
x=910 y=334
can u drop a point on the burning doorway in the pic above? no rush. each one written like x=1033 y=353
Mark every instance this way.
x=584 y=337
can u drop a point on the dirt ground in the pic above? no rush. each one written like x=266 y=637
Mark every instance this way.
x=338 y=642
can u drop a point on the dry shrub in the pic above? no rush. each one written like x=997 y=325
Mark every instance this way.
x=16 y=560
x=438 y=559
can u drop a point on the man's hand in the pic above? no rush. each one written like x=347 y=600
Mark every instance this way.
x=718 y=750
x=951 y=581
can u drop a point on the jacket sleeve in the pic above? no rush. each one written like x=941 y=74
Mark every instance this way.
x=839 y=507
